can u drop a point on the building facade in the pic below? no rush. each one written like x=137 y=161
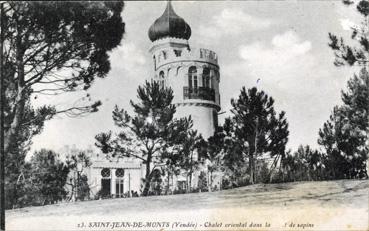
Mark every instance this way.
x=193 y=75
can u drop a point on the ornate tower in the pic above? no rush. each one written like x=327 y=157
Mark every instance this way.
x=193 y=74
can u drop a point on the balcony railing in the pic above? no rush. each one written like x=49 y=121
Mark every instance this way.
x=199 y=93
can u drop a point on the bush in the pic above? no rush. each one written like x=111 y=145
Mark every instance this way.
x=179 y=191
x=263 y=174
x=203 y=182
x=44 y=181
x=226 y=183
x=102 y=194
x=278 y=177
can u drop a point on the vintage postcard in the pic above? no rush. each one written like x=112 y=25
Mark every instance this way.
x=185 y=115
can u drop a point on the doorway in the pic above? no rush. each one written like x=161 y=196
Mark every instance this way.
x=105 y=188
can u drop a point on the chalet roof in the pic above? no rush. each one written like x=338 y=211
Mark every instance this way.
x=116 y=164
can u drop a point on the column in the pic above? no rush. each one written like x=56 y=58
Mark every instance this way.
x=200 y=82
x=127 y=182
x=112 y=183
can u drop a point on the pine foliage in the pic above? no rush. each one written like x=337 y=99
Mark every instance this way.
x=358 y=54
x=345 y=135
x=255 y=127
x=152 y=135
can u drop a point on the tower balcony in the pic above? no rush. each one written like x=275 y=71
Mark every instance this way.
x=203 y=93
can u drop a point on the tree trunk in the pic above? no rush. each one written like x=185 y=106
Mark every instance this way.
x=209 y=181
x=274 y=165
x=147 y=181
x=15 y=197
x=190 y=186
x=20 y=100
x=14 y=127
x=168 y=181
x=147 y=176
x=252 y=160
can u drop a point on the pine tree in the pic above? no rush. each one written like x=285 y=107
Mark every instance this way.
x=46 y=179
x=151 y=134
x=309 y=164
x=191 y=156
x=41 y=41
x=349 y=55
x=14 y=164
x=345 y=135
x=235 y=155
x=179 y=155
x=212 y=153
x=255 y=126
x=77 y=179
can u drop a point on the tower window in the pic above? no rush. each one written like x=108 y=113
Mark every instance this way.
x=154 y=59
x=206 y=78
x=214 y=79
x=192 y=76
x=178 y=53
x=164 y=55
x=190 y=81
x=161 y=78
x=195 y=83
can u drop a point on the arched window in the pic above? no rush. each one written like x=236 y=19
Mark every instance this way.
x=206 y=78
x=192 y=76
x=105 y=172
x=119 y=182
x=189 y=81
x=161 y=78
x=154 y=60
x=195 y=82
x=119 y=172
x=215 y=78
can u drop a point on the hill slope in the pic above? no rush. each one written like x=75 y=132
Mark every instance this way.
x=316 y=202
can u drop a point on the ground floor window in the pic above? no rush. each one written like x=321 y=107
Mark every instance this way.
x=119 y=187
x=182 y=185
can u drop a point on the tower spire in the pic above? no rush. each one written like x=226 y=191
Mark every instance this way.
x=169 y=9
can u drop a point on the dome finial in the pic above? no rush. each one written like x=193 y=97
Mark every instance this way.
x=169 y=24
x=169 y=4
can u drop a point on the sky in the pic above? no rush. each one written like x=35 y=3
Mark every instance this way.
x=284 y=44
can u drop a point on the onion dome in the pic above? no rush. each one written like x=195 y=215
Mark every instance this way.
x=169 y=25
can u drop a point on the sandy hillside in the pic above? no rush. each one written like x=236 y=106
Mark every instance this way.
x=327 y=205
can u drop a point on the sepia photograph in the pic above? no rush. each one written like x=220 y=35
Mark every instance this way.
x=184 y=115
